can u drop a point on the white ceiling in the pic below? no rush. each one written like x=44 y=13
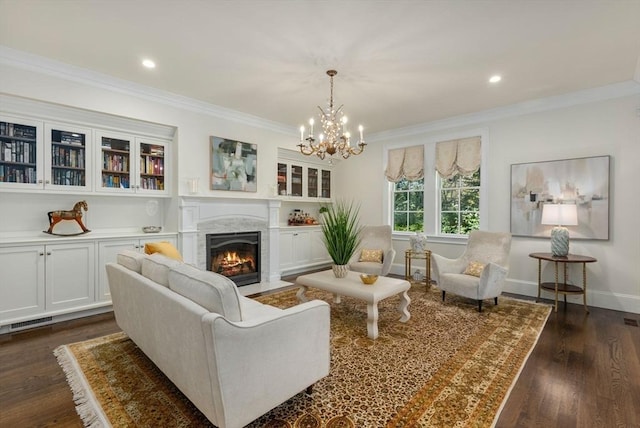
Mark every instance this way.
x=399 y=63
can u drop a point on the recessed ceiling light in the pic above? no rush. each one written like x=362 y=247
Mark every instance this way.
x=148 y=63
x=495 y=79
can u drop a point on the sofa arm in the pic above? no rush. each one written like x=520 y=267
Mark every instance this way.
x=258 y=364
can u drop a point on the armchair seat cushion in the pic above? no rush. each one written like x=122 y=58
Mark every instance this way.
x=371 y=268
x=461 y=284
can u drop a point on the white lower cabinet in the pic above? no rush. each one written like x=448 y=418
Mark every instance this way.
x=301 y=248
x=69 y=275
x=319 y=252
x=39 y=279
x=21 y=281
x=108 y=251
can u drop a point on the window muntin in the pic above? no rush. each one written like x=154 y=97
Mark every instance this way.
x=459 y=204
x=408 y=206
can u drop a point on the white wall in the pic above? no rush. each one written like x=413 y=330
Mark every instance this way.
x=599 y=128
x=609 y=127
x=194 y=129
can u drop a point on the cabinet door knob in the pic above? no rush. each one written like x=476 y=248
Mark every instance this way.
x=41 y=253
x=39 y=181
x=48 y=253
x=47 y=182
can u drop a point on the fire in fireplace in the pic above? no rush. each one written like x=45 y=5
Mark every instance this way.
x=235 y=255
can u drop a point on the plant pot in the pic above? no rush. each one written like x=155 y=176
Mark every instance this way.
x=340 y=271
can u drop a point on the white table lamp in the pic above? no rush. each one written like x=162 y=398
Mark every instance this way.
x=560 y=215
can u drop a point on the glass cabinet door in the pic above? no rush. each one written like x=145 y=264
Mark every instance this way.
x=152 y=172
x=66 y=154
x=312 y=182
x=282 y=179
x=20 y=153
x=326 y=184
x=115 y=163
x=296 y=180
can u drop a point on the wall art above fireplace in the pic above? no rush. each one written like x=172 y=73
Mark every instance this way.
x=233 y=165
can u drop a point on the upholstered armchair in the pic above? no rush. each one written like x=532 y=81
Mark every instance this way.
x=480 y=272
x=375 y=253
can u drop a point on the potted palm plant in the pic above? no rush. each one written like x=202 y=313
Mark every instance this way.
x=341 y=234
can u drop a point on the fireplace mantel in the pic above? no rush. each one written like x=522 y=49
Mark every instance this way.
x=199 y=216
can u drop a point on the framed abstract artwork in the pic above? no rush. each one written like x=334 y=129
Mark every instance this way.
x=234 y=165
x=582 y=181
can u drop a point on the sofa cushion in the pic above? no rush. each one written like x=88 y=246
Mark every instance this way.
x=156 y=267
x=252 y=309
x=210 y=290
x=130 y=259
x=163 y=247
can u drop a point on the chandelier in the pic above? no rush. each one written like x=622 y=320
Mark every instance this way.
x=335 y=138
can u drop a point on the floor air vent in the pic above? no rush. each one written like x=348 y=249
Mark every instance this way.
x=24 y=324
x=629 y=321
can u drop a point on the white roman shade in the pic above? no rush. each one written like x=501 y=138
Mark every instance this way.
x=458 y=157
x=406 y=163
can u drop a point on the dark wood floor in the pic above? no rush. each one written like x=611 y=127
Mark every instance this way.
x=584 y=372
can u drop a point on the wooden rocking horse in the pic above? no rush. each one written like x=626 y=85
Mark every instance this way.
x=56 y=217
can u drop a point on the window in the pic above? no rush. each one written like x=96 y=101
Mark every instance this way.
x=408 y=205
x=437 y=206
x=460 y=204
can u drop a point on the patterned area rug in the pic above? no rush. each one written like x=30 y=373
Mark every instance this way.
x=447 y=366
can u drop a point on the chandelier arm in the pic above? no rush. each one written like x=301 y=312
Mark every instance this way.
x=307 y=150
x=355 y=151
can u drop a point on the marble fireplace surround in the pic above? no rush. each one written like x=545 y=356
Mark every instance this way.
x=201 y=216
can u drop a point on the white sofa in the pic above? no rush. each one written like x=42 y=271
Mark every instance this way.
x=232 y=356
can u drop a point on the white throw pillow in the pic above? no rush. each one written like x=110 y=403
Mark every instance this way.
x=130 y=259
x=156 y=267
x=210 y=290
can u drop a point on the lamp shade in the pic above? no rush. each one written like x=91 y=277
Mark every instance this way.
x=560 y=214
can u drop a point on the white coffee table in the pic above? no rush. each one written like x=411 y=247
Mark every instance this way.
x=352 y=286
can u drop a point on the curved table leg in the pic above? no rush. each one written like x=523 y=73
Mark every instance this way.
x=300 y=294
x=403 y=307
x=372 y=320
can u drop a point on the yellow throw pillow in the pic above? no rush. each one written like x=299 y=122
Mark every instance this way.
x=474 y=269
x=163 y=247
x=371 y=256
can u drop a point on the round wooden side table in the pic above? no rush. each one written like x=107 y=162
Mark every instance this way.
x=562 y=287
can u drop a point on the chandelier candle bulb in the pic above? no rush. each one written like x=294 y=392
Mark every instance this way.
x=301 y=134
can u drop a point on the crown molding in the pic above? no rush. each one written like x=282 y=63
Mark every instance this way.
x=39 y=64
x=602 y=93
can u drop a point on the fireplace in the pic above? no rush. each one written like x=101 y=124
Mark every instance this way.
x=235 y=255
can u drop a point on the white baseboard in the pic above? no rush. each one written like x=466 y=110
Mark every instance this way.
x=595 y=298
